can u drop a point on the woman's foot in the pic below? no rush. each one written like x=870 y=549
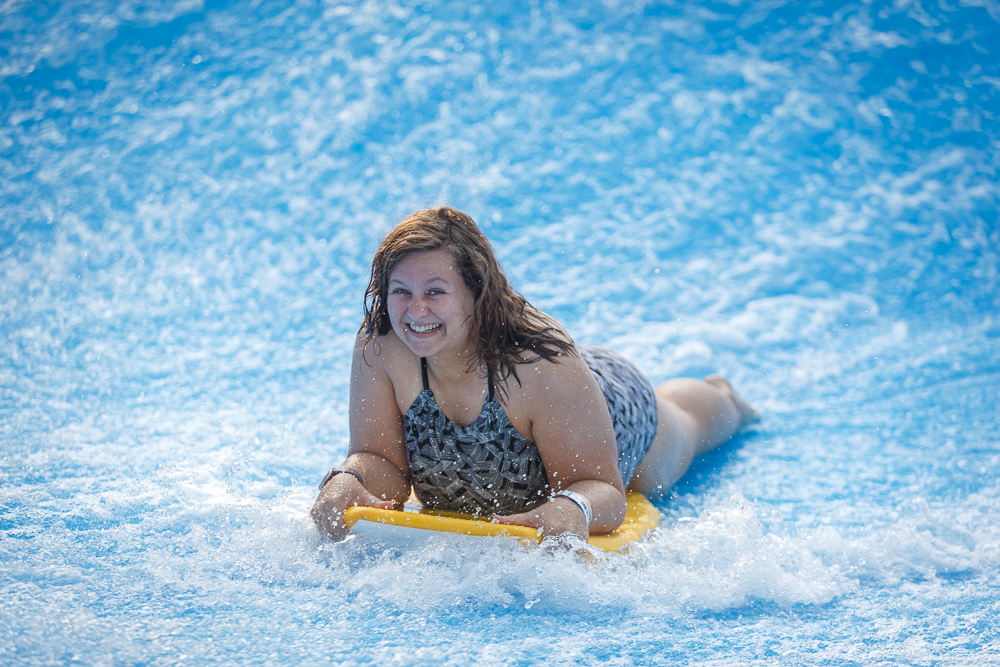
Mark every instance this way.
x=693 y=417
x=748 y=413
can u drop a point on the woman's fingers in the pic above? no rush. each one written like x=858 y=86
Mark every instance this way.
x=529 y=519
x=554 y=518
x=338 y=494
x=368 y=499
x=328 y=515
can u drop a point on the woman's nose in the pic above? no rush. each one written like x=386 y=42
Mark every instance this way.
x=417 y=305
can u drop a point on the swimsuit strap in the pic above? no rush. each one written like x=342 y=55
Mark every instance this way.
x=490 y=380
x=427 y=385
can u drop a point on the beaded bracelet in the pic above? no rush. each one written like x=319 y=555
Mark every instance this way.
x=336 y=471
x=580 y=501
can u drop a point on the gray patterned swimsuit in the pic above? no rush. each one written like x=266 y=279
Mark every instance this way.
x=488 y=467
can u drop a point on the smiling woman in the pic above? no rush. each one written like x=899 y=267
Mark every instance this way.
x=484 y=405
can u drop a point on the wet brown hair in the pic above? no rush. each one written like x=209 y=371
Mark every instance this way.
x=504 y=325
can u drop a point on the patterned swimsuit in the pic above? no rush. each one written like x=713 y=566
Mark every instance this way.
x=488 y=467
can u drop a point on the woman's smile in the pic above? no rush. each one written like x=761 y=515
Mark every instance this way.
x=423 y=328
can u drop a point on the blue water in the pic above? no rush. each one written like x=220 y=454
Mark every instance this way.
x=803 y=197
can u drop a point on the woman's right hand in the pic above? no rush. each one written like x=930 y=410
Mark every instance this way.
x=342 y=491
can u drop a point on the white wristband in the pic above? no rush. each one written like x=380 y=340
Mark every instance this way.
x=580 y=501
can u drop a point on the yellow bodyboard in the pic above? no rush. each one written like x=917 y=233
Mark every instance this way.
x=640 y=517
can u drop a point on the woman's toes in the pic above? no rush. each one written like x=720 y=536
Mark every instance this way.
x=748 y=413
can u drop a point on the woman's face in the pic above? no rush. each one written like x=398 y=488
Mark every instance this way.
x=430 y=306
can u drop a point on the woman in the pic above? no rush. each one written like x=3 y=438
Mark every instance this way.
x=485 y=405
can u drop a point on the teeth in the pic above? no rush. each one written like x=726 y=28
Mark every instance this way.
x=424 y=328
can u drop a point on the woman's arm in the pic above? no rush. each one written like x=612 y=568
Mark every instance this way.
x=572 y=428
x=377 y=449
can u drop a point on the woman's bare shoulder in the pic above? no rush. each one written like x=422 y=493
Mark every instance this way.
x=546 y=382
x=384 y=354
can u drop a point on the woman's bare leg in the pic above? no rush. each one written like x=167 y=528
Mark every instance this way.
x=694 y=417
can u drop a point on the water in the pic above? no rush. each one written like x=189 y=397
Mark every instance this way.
x=801 y=197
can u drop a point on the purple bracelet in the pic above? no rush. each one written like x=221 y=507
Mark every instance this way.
x=336 y=471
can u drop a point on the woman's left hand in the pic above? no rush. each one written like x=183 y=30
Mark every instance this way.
x=556 y=517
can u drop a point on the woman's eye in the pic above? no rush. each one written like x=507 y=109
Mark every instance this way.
x=435 y=292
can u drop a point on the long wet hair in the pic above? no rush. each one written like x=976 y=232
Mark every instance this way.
x=504 y=325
